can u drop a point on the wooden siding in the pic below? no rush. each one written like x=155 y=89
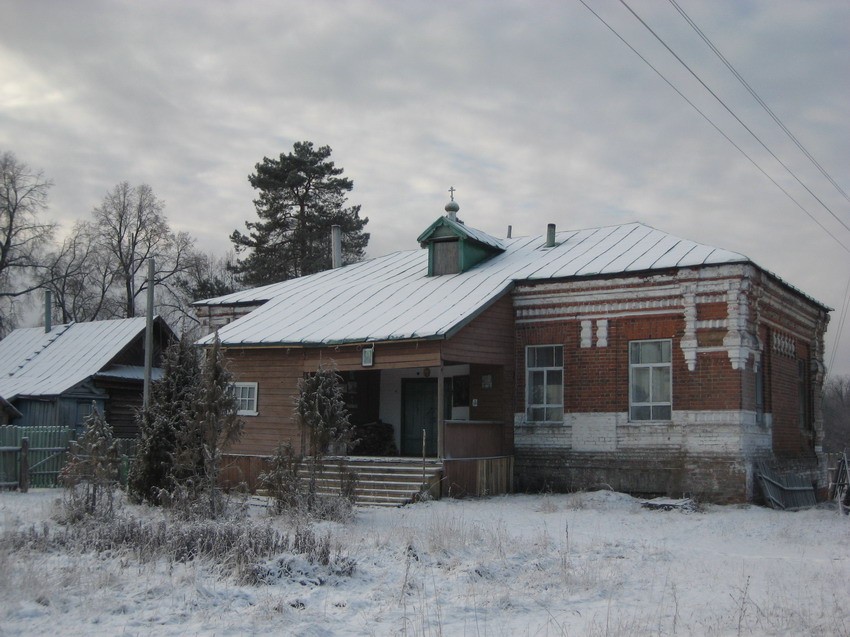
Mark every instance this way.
x=486 y=344
x=125 y=399
x=387 y=356
x=446 y=257
x=478 y=477
x=475 y=438
x=488 y=340
x=276 y=372
x=243 y=471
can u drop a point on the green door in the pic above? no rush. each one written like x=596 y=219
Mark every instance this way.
x=418 y=412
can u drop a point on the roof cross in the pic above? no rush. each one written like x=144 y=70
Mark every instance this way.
x=452 y=192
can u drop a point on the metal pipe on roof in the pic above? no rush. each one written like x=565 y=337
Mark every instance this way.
x=550 y=235
x=336 y=247
x=48 y=307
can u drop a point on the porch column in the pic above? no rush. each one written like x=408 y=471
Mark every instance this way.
x=441 y=420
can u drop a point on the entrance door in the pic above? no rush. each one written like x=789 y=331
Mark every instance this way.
x=418 y=412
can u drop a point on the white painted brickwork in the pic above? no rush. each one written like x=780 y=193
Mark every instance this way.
x=694 y=432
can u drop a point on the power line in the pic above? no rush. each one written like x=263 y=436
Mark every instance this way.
x=715 y=126
x=732 y=113
x=793 y=138
x=840 y=327
x=758 y=99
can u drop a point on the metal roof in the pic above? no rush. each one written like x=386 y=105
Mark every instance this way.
x=392 y=298
x=462 y=230
x=38 y=363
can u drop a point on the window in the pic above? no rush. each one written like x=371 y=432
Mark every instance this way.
x=246 y=398
x=650 y=380
x=544 y=385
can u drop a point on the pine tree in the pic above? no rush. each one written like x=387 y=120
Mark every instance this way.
x=302 y=194
x=324 y=421
x=216 y=425
x=91 y=474
x=321 y=411
x=174 y=400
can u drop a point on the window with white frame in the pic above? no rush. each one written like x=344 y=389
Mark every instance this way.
x=246 y=398
x=650 y=380
x=544 y=383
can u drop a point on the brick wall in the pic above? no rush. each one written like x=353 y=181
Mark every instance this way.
x=721 y=323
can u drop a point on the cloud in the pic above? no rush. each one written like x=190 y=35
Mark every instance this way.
x=536 y=113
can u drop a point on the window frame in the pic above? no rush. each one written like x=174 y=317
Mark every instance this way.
x=651 y=404
x=529 y=370
x=239 y=398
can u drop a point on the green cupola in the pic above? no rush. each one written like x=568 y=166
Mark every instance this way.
x=454 y=247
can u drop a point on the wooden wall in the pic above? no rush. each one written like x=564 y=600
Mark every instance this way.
x=277 y=372
x=488 y=339
x=486 y=344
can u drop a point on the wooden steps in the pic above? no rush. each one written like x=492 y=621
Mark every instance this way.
x=380 y=481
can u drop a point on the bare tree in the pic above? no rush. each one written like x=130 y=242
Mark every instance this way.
x=836 y=413
x=131 y=228
x=24 y=236
x=208 y=276
x=81 y=277
x=204 y=276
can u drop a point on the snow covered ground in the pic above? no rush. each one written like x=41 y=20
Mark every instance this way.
x=582 y=564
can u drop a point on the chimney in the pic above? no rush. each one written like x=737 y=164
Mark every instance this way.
x=550 y=235
x=48 y=307
x=336 y=247
x=510 y=228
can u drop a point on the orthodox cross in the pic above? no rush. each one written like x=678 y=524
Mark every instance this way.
x=452 y=192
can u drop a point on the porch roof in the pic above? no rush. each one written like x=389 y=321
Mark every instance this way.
x=393 y=298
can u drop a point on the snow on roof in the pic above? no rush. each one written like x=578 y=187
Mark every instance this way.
x=130 y=372
x=35 y=363
x=392 y=298
x=461 y=229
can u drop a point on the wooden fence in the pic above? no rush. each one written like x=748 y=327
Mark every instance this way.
x=38 y=461
x=478 y=476
x=46 y=455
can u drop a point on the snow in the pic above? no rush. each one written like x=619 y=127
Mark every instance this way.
x=38 y=363
x=393 y=297
x=593 y=563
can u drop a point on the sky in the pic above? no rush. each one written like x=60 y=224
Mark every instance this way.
x=536 y=112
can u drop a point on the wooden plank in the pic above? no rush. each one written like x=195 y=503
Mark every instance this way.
x=488 y=339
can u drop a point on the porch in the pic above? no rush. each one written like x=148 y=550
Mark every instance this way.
x=447 y=399
x=404 y=444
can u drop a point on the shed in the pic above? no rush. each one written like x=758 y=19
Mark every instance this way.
x=53 y=377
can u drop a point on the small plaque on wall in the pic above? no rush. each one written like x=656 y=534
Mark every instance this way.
x=368 y=356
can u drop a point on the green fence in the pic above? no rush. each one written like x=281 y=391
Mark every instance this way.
x=48 y=453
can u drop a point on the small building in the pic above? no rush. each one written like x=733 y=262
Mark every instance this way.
x=53 y=376
x=619 y=356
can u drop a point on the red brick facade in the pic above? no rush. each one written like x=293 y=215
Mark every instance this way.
x=746 y=359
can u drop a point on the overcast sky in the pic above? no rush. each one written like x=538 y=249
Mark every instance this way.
x=534 y=111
